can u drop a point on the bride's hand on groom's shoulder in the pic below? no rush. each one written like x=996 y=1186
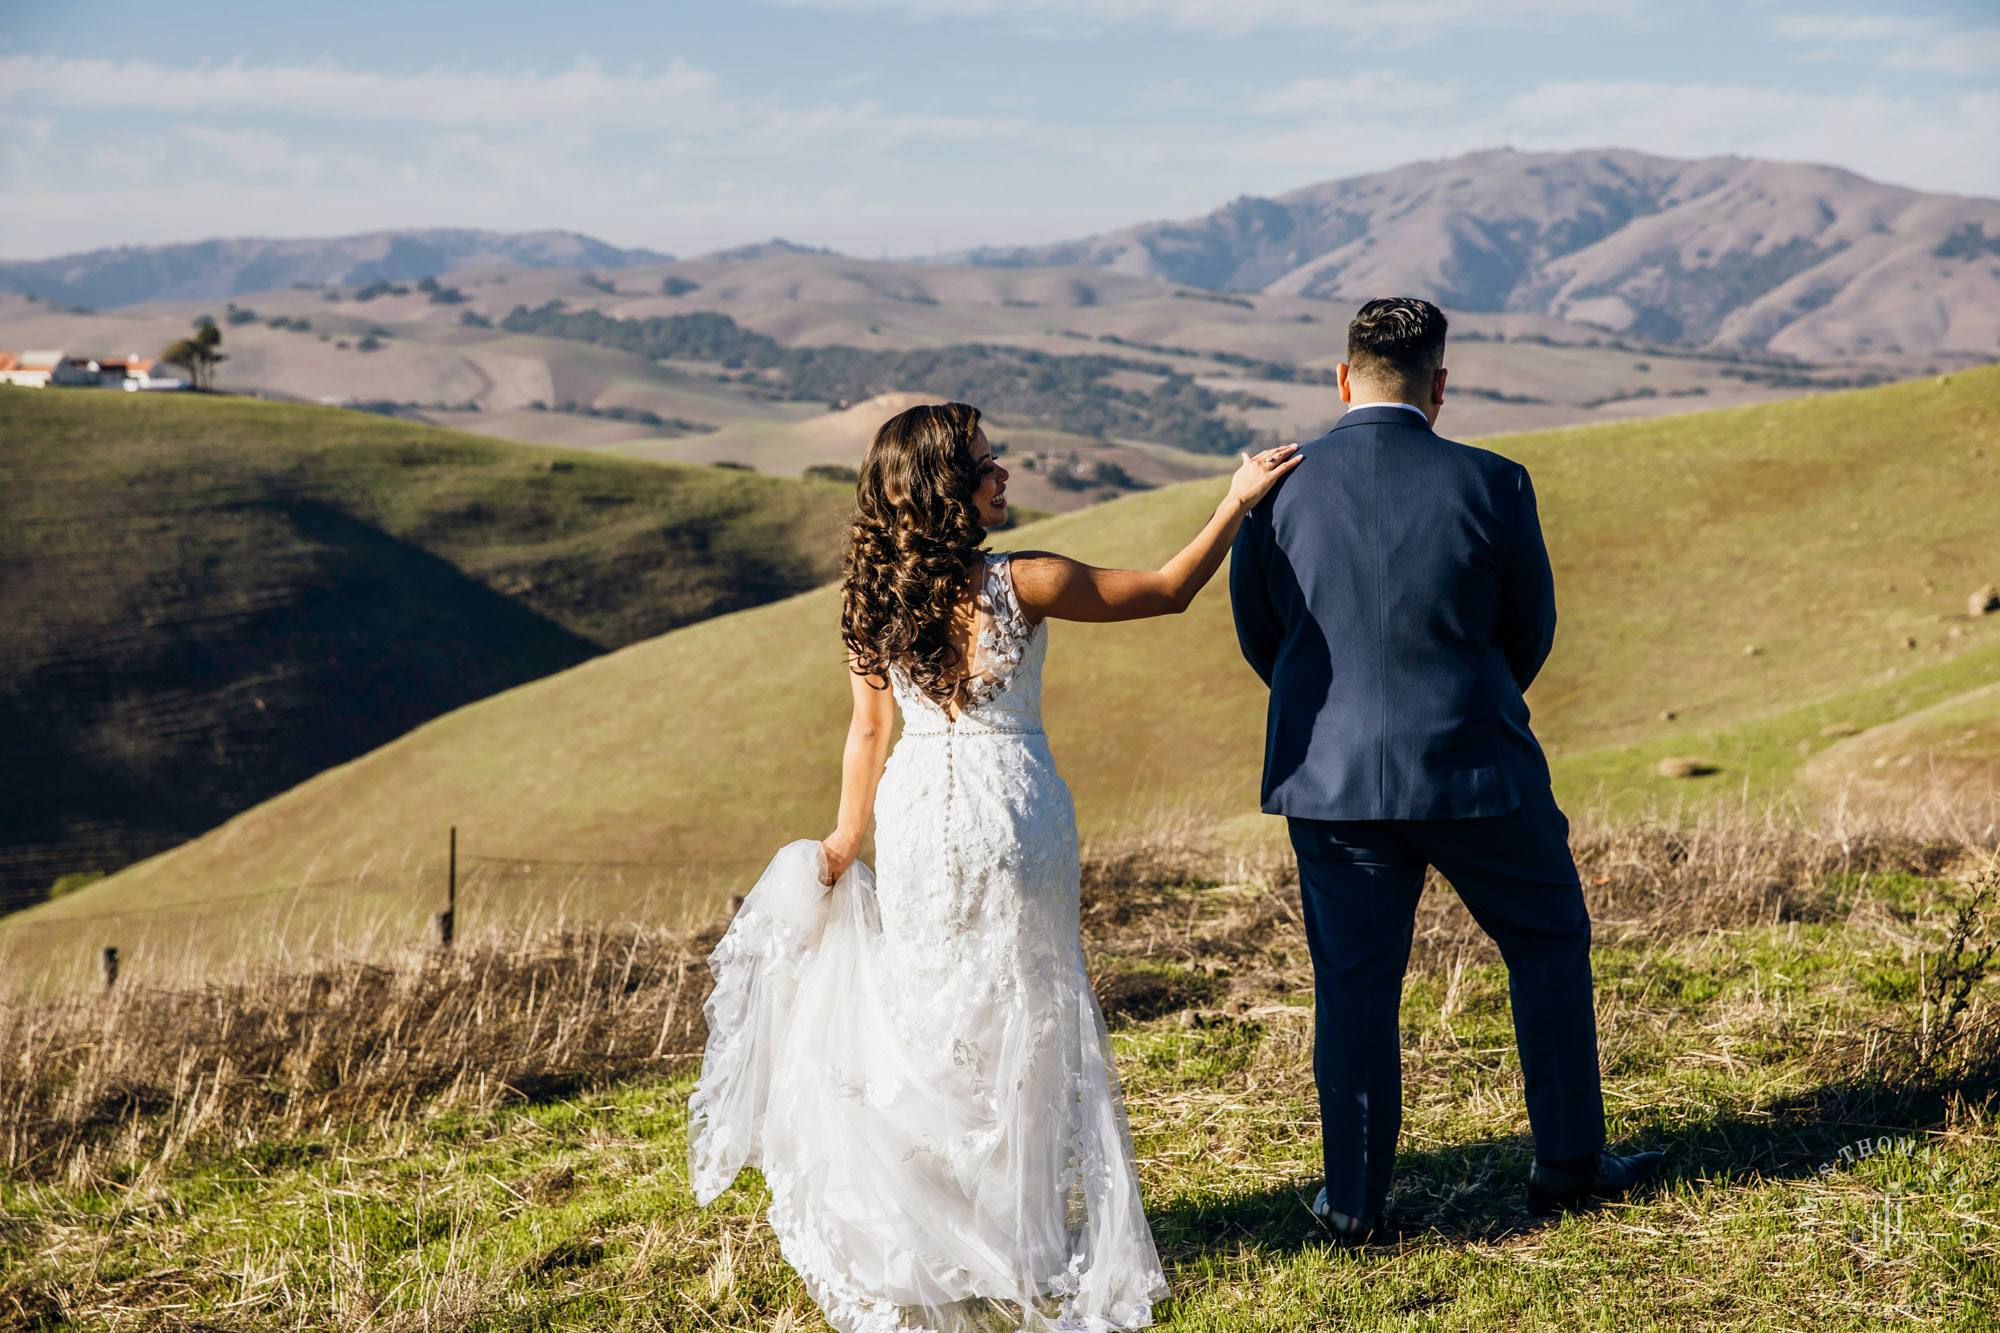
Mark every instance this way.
x=1260 y=472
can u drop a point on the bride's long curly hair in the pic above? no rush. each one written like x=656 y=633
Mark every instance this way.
x=914 y=547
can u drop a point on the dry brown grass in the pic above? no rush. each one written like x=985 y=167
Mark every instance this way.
x=1642 y=881
x=1927 y=796
x=120 y=1080
x=116 y=1080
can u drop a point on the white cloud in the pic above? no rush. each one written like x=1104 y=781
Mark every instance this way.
x=666 y=160
x=254 y=151
x=584 y=93
x=1402 y=21
x=1900 y=43
x=1371 y=92
x=1946 y=144
x=678 y=160
x=582 y=100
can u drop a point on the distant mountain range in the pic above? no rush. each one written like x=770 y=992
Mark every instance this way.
x=1801 y=260
x=211 y=270
x=1805 y=260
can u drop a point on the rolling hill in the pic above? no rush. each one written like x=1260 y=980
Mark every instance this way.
x=1810 y=261
x=1732 y=583
x=207 y=601
x=1266 y=360
x=212 y=270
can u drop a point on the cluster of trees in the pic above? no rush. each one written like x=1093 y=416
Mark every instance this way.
x=440 y=295
x=1103 y=473
x=200 y=354
x=644 y=416
x=1067 y=391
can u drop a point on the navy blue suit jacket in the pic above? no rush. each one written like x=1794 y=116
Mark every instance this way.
x=1394 y=592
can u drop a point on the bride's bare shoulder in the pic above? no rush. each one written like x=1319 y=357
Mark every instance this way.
x=1041 y=578
x=1039 y=566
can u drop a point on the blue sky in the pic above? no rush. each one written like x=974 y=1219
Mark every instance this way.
x=905 y=126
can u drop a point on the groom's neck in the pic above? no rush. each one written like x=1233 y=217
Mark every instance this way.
x=1378 y=390
x=1362 y=399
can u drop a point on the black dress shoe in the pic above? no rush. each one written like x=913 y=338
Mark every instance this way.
x=1551 y=1189
x=1354 y=1232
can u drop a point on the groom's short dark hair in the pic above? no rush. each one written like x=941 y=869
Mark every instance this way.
x=1397 y=338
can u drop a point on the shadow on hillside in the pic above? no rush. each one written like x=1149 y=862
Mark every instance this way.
x=303 y=637
x=1476 y=1192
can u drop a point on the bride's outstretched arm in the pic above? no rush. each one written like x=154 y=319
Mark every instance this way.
x=1056 y=586
x=860 y=770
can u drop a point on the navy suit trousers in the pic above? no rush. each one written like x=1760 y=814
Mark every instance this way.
x=1360 y=881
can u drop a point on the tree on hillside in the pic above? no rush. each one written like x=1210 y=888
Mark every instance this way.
x=198 y=353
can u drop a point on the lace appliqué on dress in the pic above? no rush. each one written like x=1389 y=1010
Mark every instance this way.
x=1003 y=639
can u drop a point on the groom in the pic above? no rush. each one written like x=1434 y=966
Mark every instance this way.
x=1395 y=594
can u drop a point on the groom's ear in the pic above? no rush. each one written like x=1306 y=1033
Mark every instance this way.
x=1346 y=389
x=1437 y=386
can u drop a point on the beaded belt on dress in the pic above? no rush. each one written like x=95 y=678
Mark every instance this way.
x=983 y=729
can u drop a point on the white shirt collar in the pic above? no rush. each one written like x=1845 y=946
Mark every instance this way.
x=1407 y=407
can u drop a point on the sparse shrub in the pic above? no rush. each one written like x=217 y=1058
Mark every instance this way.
x=74 y=880
x=832 y=472
x=369 y=343
x=1946 y=1038
x=644 y=416
x=675 y=285
x=1101 y=473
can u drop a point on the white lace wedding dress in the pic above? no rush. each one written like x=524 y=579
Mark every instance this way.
x=915 y=1059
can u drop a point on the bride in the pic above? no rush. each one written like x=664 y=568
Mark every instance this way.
x=914 y=1057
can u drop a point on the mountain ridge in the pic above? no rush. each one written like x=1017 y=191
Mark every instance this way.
x=1795 y=258
x=231 y=266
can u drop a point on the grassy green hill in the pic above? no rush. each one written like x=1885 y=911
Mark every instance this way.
x=207 y=601
x=1731 y=583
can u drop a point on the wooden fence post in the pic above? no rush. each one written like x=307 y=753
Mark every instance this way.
x=442 y=923
x=108 y=963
